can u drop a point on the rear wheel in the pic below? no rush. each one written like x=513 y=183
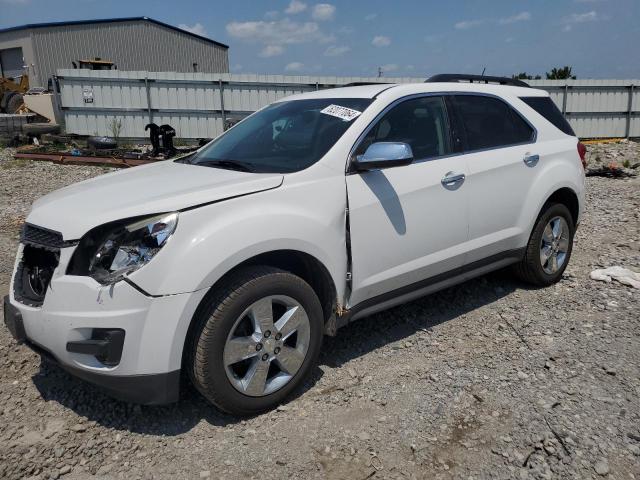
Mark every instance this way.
x=255 y=340
x=549 y=249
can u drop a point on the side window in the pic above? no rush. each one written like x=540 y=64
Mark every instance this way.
x=489 y=122
x=420 y=122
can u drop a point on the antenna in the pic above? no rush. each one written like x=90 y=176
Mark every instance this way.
x=483 y=70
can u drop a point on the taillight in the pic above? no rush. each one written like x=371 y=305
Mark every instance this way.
x=582 y=151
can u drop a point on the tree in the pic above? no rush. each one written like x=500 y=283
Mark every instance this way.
x=525 y=76
x=562 y=73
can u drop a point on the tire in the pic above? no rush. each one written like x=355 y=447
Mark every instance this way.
x=37 y=129
x=531 y=268
x=210 y=360
x=102 y=143
x=14 y=103
x=4 y=100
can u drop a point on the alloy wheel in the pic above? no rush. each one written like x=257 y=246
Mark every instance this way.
x=267 y=345
x=554 y=245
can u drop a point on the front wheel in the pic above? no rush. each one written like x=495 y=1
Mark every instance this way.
x=549 y=249
x=255 y=340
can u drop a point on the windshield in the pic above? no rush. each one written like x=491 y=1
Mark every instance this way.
x=283 y=137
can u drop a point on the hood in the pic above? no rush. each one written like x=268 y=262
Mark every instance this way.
x=160 y=187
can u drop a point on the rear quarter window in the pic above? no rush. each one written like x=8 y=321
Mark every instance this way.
x=545 y=107
x=489 y=122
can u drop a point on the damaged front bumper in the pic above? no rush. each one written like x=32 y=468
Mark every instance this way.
x=128 y=342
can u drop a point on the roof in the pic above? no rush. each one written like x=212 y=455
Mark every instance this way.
x=109 y=20
x=361 y=91
x=403 y=89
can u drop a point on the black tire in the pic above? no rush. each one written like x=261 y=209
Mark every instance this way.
x=102 y=143
x=37 y=129
x=214 y=320
x=530 y=268
x=4 y=100
x=14 y=103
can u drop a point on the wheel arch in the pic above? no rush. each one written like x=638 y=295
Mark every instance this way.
x=299 y=263
x=568 y=198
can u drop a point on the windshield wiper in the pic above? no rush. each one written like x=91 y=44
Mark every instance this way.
x=228 y=164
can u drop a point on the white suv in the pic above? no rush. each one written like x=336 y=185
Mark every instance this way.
x=229 y=265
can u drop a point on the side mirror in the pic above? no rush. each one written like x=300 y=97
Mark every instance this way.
x=384 y=155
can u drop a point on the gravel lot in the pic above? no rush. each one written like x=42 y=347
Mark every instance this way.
x=489 y=379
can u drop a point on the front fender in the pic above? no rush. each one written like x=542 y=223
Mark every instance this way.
x=211 y=240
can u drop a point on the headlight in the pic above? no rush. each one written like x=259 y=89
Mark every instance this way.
x=129 y=247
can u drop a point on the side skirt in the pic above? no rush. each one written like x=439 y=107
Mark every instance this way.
x=429 y=285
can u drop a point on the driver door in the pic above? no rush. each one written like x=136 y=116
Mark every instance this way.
x=408 y=224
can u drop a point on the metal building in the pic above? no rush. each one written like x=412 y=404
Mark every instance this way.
x=135 y=43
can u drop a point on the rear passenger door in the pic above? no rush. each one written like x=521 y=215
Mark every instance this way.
x=501 y=157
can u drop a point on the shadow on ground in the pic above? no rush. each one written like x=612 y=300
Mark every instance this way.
x=354 y=340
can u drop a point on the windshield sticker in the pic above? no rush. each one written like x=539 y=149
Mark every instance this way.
x=346 y=114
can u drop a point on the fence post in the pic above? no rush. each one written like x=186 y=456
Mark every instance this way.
x=629 y=111
x=564 y=98
x=224 y=115
x=146 y=87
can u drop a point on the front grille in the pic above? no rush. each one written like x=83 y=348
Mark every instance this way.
x=40 y=257
x=43 y=237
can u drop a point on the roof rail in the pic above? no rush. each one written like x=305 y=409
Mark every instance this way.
x=459 y=77
x=363 y=84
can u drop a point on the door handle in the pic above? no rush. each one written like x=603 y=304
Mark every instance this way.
x=531 y=160
x=452 y=180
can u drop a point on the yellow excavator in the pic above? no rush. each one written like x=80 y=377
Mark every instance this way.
x=11 y=92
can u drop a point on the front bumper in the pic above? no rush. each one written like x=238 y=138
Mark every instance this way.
x=75 y=307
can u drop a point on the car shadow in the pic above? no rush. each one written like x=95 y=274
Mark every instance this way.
x=352 y=341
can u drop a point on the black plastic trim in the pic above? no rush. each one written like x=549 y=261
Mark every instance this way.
x=154 y=389
x=13 y=321
x=105 y=344
x=515 y=255
x=461 y=77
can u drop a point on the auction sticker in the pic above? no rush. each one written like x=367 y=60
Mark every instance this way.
x=346 y=114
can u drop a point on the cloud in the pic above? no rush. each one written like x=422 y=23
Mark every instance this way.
x=323 y=11
x=271 y=14
x=381 y=41
x=576 y=18
x=466 y=24
x=389 y=67
x=591 y=16
x=371 y=16
x=294 y=67
x=278 y=32
x=295 y=7
x=336 y=51
x=520 y=17
x=272 y=51
x=197 y=28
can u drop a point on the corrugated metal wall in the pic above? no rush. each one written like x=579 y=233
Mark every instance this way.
x=194 y=106
x=132 y=45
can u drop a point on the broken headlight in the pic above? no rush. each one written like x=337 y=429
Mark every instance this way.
x=131 y=246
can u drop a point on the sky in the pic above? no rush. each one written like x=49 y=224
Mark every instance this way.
x=409 y=38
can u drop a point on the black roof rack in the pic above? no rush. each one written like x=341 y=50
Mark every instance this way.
x=459 y=77
x=363 y=84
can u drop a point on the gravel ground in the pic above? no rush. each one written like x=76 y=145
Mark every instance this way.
x=489 y=379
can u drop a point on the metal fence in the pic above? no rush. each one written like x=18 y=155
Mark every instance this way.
x=197 y=105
